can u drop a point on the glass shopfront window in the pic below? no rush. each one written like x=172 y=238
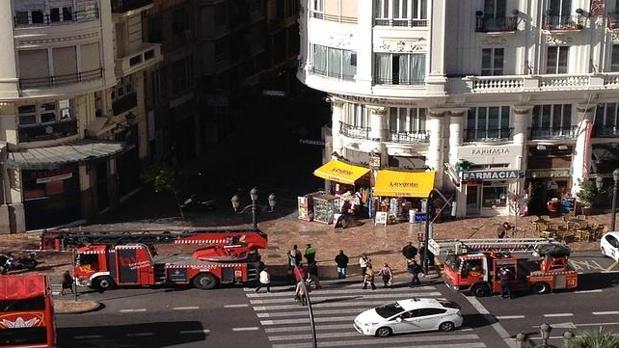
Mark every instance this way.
x=494 y=196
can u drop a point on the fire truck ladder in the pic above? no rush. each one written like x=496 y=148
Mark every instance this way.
x=70 y=238
x=511 y=245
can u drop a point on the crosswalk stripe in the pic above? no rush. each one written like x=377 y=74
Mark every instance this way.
x=460 y=345
x=316 y=313
x=370 y=341
x=348 y=318
x=394 y=297
x=325 y=327
x=335 y=284
x=365 y=304
x=351 y=333
x=344 y=291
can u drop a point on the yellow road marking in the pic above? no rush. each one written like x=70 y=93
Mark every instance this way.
x=613 y=265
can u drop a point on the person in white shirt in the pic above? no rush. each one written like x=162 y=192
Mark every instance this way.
x=265 y=280
x=363 y=263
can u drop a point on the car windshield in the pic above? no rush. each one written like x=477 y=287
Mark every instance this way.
x=389 y=310
x=449 y=304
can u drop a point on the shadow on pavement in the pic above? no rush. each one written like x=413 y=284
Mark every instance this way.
x=158 y=334
x=592 y=281
x=478 y=320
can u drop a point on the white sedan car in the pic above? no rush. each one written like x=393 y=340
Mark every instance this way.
x=412 y=315
x=609 y=245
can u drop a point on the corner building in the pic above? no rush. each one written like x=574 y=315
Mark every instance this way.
x=499 y=97
x=73 y=125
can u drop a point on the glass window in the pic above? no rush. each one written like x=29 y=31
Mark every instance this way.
x=488 y=123
x=389 y=310
x=492 y=61
x=430 y=311
x=614 y=61
x=494 y=196
x=407 y=120
x=334 y=62
x=556 y=60
x=400 y=69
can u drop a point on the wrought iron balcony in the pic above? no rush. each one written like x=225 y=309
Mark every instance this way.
x=38 y=18
x=496 y=25
x=413 y=137
x=497 y=134
x=124 y=103
x=59 y=80
x=557 y=22
x=399 y=22
x=606 y=132
x=536 y=133
x=335 y=74
x=398 y=81
x=39 y=132
x=356 y=132
x=119 y=6
x=334 y=18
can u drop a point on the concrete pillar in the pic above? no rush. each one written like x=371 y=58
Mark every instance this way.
x=582 y=151
x=436 y=80
x=456 y=124
x=107 y=38
x=378 y=123
x=435 y=156
x=86 y=186
x=364 y=33
x=8 y=125
x=521 y=114
x=138 y=84
x=8 y=67
x=16 y=208
x=337 y=116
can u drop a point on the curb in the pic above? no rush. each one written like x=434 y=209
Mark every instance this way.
x=72 y=307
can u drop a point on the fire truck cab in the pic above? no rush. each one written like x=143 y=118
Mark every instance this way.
x=476 y=270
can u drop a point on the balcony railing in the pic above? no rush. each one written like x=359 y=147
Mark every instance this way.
x=496 y=25
x=119 y=6
x=124 y=103
x=414 y=137
x=410 y=23
x=59 y=80
x=356 y=132
x=28 y=133
x=22 y=19
x=536 y=133
x=334 y=74
x=534 y=83
x=605 y=132
x=334 y=18
x=398 y=81
x=554 y=22
x=497 y=134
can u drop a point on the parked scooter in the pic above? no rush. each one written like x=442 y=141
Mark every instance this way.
x=9 y=263
x=193 y=202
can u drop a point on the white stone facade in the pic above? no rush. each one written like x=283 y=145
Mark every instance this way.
x=512 y=85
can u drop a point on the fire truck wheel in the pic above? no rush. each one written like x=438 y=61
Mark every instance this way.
x=383 y=332
x=205 y=281
x=103 y=283
x=540 y=288
x=446 y=326
x=480 y=290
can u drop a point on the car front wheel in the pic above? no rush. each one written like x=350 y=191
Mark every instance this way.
x=383 y=332
x=446 y=326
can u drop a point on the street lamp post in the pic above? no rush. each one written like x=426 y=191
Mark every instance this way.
x=614 y=208
x=545 y=329
x=253 y=195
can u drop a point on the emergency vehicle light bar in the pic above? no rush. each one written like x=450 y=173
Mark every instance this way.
x=513 y=245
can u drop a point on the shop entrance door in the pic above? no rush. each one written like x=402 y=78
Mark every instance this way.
x=473 y=200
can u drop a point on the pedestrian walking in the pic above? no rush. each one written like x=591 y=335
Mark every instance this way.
x=502 y=230
x=369 y=277
x=265 y=280
x=310 y=254
x=312 y=275
x=409 y=251
x=505 y=276
x=422 y=257
x=294 y=259
x=67 y=282
x=342 y=264
x=299 y=294
x=387 y=275
x=363 y=263
x=414 y=269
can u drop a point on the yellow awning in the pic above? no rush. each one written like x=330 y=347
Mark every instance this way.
x=341 y=172
x=397 y=183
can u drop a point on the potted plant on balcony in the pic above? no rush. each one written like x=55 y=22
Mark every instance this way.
x=587 y=195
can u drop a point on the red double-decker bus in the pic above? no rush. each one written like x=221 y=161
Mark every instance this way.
x=26 y=312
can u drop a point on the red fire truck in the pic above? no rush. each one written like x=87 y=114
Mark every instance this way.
x=109 y=259
x=26 y=311
x=538 y=265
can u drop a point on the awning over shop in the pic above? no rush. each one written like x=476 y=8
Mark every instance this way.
x=59 y=155
x=341 y=172
x=401 y=183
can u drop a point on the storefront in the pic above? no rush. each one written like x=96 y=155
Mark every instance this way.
x=548 y=177
x=343 y=176
x=485 y=176
x=487 y=191
x=402 y=192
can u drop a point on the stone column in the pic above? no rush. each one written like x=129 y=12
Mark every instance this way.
x=581 y=159
x=435 y=156
x=8 y=67
x=378 y=130
x=436 y=80
x=337 y=116
x=456 y=124
x=87 y=197
x=16 y=207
